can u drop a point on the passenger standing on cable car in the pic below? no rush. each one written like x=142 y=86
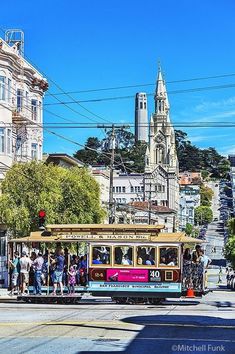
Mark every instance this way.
x=58 y=274
x=37 y=266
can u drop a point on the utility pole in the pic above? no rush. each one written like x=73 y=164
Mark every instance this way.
x=150 y=202
x=111 y=203
x=112 y=161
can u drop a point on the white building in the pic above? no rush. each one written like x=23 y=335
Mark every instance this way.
x=161 y=157
x=128 y=188
x=102 y=177
x=189 y=200
x=22 y=89
x=158 y=185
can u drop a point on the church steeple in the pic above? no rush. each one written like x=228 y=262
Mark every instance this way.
x=161 y=99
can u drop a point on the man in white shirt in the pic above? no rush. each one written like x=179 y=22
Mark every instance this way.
x=204 y=259
x=25 y=264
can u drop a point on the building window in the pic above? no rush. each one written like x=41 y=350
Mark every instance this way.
x=2 y=88
x=34 y=151
x=113 y=189
x=18 y=146
x=132 y=189
x=26 y=99
x=19 y=100
x=145 y=106
x=2 y=140
x=40 y=112
x=165 y=220
x=123 y=189
x=9 y=90
x=9 y=141
x=141 y=105
x=34 y=109
x=142 y=188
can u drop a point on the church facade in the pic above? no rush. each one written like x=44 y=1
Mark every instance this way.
x=157 y=189
x=161 y=169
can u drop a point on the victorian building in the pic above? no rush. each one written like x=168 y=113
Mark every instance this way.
x=22 y=90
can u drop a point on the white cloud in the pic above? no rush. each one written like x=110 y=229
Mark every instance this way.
x=208 y=105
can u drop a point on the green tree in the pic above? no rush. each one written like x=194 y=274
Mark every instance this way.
x=126 y=150
x=67 y=196
x=191 y=158
x=203 y=215
x=206 y=195
x=91 y=153
x=229 y=250
x=188 y=229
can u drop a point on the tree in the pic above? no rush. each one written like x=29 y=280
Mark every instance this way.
x=188 y=229
x=203 y=215
x=67 y=196
x=191 y=158
x=90 y=154
x=206 y=195
x=229 y=250
x=126 y=150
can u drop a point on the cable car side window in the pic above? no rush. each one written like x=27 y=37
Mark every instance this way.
x=123 y=255
x=101 y=255
x=168 y=257
x=145 y=256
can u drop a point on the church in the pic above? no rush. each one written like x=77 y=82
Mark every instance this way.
x=154 y=194
x=161 y=163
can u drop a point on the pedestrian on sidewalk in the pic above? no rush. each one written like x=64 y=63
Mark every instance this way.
x=220 y=275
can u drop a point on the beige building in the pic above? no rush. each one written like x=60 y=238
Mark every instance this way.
x=22 y=90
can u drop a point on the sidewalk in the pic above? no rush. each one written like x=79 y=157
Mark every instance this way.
x=4 y=295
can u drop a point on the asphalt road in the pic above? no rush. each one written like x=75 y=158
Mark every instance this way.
x=99 y=326
x=215 y=241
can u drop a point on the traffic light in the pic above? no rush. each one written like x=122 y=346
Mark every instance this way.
x=41 y=219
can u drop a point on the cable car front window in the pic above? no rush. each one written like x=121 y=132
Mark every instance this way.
x=101 y=255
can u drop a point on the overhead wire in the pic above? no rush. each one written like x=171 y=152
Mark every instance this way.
x=146 y=84
x=75 y=111
x=196 y=89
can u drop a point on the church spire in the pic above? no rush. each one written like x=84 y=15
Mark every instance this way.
x=161 y=99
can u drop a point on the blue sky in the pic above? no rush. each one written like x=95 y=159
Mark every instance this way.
x=92 y=44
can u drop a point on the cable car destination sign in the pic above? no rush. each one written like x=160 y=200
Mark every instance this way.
x=83 y=237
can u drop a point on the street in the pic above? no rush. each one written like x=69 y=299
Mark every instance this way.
x=97 y=325
x=215 y=241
